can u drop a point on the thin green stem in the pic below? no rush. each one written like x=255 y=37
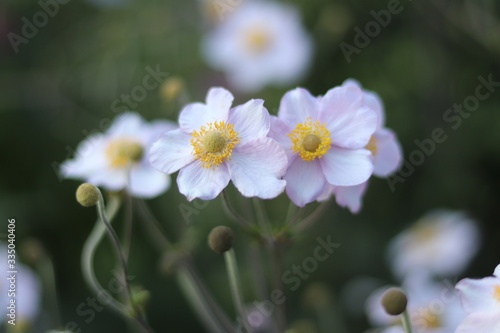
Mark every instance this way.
x=88 y=253
x=153 y=227
x=406 y=322
x=277 y=274
x=313 y=217
x=46 y=269
x=232 y=212
x=262 y=218
x=234 y=282
x=202 y=308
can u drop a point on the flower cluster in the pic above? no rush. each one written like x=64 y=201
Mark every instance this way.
x=313 y=148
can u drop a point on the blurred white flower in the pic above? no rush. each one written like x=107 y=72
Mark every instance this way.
x=26 y=295
x=109 y=159
x=259 y=43
x=433 y=307
x=442 y=243
x=481 y=300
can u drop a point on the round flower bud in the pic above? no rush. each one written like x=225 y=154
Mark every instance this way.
x=221 y=239
x=87 y=195
x=394 y=301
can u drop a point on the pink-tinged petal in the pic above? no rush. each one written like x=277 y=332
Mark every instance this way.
x=350 y=123
x=347 y=167
x=479 y=322
x=279 y=132
x=257 y=167
x=171 y=152
x=127 y=123
x=219 y=100
x=351 y=196
x=296 y=105
x=250 y=120
x=305 y=181
x=195 y=181
x=389 y=153
x=328 y=191
x=479 y=294
x=146 y=182
x=371 y=99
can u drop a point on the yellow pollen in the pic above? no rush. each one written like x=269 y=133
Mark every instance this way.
x=372 y=145
x=423 y=233
x=257 y=40
x=123 y=151
x=213 y=144
x=496 y=293
x=431 y=320
x=310 y=140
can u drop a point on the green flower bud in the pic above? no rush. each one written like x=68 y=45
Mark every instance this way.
x=394 y=301
x=87 y=195
x=221 y=239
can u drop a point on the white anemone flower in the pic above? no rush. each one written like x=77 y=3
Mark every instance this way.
x=433 y=307
x=116 y=160
x=441 y=243
x=259 y=43
x=481 y=301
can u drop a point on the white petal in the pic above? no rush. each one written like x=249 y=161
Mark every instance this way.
x=89 y=158
x=479 y=322
x=219 y=100
x=171 y=152
x=195 y=115
x=305 y=181
x=126 y=124
x=146 y=182
x=497 y=271
x=296 y=105
x=251 y=120
x=479 y=294
x=257 y=167
x=350 y=123
x=350 y=196
x=347 y=167
x=389 y=153
x=110 y=179
x=195 y=181
x=371 y=99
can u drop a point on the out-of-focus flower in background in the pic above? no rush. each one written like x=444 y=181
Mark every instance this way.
x=386 y=152
x=433 y=307
x=441 y=243
x=481 y=301
x=259 y=43
x=216 y=144
x=325 y=139
x=116 y=160
x=26 y=294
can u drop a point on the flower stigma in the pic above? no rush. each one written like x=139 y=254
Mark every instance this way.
x=123 y=151
x=213 y=144
x=310 y=140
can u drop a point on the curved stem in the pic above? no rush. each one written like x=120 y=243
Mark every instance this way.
x=88 y=253
x=406 y=322
x=232 y=212
x=155 y=231
x=312 y=218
